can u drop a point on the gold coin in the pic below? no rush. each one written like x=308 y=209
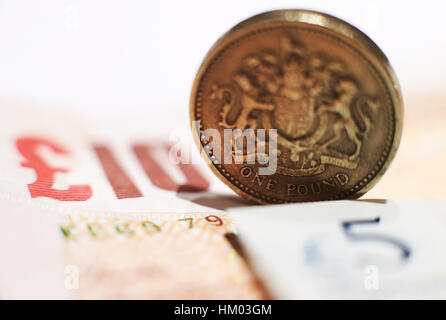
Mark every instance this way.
x=296 y=105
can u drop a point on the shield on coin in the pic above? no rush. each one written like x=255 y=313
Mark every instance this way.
x=294 y=118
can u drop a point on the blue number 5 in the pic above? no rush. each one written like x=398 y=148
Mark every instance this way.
x=348 y=225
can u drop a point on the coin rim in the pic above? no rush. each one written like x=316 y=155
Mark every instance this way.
x=366 y=47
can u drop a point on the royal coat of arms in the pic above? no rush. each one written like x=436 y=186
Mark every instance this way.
x=315 y=104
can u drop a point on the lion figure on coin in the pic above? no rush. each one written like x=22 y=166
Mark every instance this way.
x=317 y=107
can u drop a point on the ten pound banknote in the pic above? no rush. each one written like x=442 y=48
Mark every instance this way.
x=104 y=209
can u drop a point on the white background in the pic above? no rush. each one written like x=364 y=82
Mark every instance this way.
x=104 y=57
